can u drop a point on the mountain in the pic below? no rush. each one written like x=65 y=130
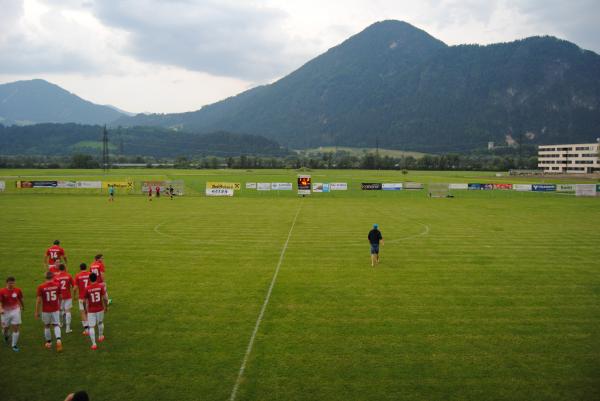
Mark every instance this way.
x=65 y=139
x=37 y=101
x=397 y=87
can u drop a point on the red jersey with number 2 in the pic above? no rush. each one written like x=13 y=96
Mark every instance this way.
x=82 y=279
x=94 y=294
x=50 y=294
x=66 y=283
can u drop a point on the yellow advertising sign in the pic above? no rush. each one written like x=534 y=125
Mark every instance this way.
x=118 y=184
x=236 y=186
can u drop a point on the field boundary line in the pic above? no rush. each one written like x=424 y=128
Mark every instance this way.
x=262 y=310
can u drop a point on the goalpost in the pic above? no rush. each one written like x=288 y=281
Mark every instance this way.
x=439 y=190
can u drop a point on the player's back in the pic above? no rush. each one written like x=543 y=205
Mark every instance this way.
x=94 y=294
x=50 y=294
x=82 y=279
x=65 y=282
x=55 y=253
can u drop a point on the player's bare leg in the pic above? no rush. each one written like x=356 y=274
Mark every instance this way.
x=15 y=337
x=5 y=332
x=84 y=323
x=58 y=338
x=48 y=336
x=373 y=256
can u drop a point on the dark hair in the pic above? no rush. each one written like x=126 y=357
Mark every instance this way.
x=56 y=242
x=10 y=278
x=81 y=396
x=93 y=277
x=49 y=275
x=82 y=266
x=61 y=267
x=98 y=257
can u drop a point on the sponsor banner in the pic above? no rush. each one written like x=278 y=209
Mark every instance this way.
x=304 y=184
x=2 y=186
x=338 y=186
x=263 y=186
x=598 y=188
x=66 y=184
x=219 y=192
x=503 y=186
x=391 y=187
x=325 y=187
x=250 y=185
x=565 y=188
x=37 y=184
x=522 y=187
x=89 y=184
x=281 y=186
x=317 y=187
x=413 y=185
x=370 y=186
x=236 y=186
x=117 y=184
x=543 y=187
x=485 y=187
x=458 y=186
x=585 y=190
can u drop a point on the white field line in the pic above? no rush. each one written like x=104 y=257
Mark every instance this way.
x=262 y=311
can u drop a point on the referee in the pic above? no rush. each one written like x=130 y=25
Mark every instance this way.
x=374 y=238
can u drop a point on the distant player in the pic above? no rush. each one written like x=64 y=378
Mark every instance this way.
x=96 y=303
x=150 y=193
x=111 y=193
x=374 y=238
x=48 y=297
x=11 y=305
x=54 y=255
x=66 y=283
x=157 y=190
x=171 y=191
x=82 y=280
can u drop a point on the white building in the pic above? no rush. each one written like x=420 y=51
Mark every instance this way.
x=575 y=158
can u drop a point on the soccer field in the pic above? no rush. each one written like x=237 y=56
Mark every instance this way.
x=491 y=295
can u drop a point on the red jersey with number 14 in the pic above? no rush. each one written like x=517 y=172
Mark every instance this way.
x=55 y=253
x=10 y=299
x=66 y=283
x=82 y=279
x=50 y=294
x=94 y=294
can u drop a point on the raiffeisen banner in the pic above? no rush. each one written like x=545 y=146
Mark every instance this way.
x=236 y=186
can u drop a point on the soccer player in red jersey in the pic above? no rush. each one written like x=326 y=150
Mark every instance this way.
x=82 y=279
x=99 y=269
x=150 y=192
x=48 y=297
x=66 y=283
x=11 y=305
x=96 y=303
x=54 y=255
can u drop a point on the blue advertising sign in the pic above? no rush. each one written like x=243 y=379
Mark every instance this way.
x=543 y=187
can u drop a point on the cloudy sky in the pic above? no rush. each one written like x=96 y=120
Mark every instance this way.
x=177 y=55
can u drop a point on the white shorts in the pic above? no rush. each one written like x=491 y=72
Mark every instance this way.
x=51 y=318
x=11 y=317
x=66 y=304
x=95 y=318
x=81 y=305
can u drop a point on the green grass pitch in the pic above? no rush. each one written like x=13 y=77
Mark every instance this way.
x=488 y=296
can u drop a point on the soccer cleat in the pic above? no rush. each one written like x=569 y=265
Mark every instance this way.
x=100 y=339
x=68 y=330
x=85 y=332
x=59 y=346
x=109 y=301
x=94 y=347
x=15 y=348
x=48 y=345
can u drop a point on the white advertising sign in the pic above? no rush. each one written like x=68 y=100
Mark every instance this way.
x=522 y=187
x=219 y=192
x=2 y=186
x=458 y=186
x=391 y=187
x=66 y=184
x=338 y=186
x=317 y=187
x=565 y=188
x=250 y=185
x=263 y=186
x=89 y=184
x=281 y=186
x=585 y=189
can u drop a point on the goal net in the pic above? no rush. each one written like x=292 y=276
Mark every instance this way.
x=439 y=190
x=178 y=187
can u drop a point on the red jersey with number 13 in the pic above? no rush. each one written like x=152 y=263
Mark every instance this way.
x=82 y=279
x=50 y=294
x=94 y=294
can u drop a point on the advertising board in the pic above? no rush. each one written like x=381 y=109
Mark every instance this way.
x=37 y=184
x=458 y=186
x=236 y=186
x=89 y=184
x=503 y=187
x=565 y=188
x=2 y=186
x=585 y=190
x=522 y=187
x=263 y=186
x=391 y=187
x=413 y=185
x=219 y=192
x=543 y=187
x=250 y=185
x=281 y=186
x=317 y=187
x=118 y=184
x=338 y=186
x=304 y=184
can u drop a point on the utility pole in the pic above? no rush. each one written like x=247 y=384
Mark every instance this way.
x=105 y=161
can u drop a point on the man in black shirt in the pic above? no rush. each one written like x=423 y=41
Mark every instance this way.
x=374 y=238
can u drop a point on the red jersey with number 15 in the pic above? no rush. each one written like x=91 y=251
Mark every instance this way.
x=55 y=253
x=97 y=267
x=66 y=283
x=82 y=279
x=94 y=294
x=50 y=294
